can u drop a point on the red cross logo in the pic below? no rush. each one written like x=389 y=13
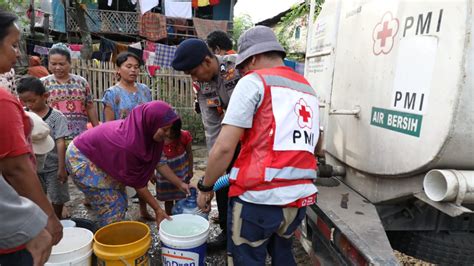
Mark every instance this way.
x=384 y=34
x=304 y=113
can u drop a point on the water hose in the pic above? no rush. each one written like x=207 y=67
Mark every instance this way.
x=222 y=182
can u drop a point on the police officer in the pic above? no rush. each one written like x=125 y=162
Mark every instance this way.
x=214 y=80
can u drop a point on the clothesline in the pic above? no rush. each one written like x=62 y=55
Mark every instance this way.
x=154 y=55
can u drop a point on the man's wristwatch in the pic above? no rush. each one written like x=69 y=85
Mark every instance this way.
x=202 y=187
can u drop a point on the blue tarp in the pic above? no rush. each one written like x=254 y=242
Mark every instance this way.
x=297 y=67
x=59 y=22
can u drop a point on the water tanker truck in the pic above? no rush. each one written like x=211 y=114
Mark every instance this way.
x=395 y=84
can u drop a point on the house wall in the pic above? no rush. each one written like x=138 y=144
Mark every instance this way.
x=298 y=45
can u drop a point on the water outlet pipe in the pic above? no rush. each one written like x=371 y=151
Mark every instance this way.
x=450 y=185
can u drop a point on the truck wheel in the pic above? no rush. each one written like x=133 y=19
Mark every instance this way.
x=456 y=248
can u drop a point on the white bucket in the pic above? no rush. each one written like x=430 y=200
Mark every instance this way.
x=68 y=223
x=74 y=249
x=183 y=240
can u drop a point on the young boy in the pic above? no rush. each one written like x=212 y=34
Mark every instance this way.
x=53 y=176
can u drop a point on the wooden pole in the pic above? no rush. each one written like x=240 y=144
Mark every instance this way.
x=32 y=19
x=66 y=18
x=46 y=27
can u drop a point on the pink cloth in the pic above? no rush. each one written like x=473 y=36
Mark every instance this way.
x=150 y=46
x=146 y=55
x=75 y=47
x=125 y=149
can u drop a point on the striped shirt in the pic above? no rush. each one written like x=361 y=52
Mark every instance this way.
x=58 y=123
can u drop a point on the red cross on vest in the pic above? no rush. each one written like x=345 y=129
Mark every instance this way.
x=384 y=34
x=305 y=114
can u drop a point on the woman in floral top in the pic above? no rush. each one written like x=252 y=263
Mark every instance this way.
x=120 y=99
x=69 y=93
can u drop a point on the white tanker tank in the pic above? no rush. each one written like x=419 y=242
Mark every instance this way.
x=395 y=81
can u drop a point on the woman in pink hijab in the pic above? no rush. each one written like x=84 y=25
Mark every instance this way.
x=106 y=158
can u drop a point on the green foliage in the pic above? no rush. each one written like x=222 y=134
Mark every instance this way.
x=13 y=5
x=285 y=29
x=18 y=7
x=191 y=121
x=241 y=24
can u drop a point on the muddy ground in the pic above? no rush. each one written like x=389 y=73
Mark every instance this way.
x=78 y=210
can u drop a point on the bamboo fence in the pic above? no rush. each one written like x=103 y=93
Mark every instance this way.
x=167 y=85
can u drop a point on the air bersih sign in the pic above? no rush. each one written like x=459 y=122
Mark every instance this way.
x=402 y=122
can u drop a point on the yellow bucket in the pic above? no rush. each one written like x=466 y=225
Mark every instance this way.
x=122 y=243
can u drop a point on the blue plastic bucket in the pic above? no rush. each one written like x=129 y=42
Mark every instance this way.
x=183 y=240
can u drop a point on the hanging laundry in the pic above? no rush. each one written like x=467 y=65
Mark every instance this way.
x=150 y=46
x=198 y=3
x=95 y=47
x=205 y=26
x=138 y=52
x=41 y=50
x=147 y=5
x=75 y=47
x=164 y=55
x=109 y=3
x=59 y=22
x=102 y=56
x=152 y=70
x=150 y=58
x=152 y=26
x=137 y=45
x=119 y=47
x=203 y=2
x=75 y=55
x=106 y=45
x=146 y=54
x=177 y=8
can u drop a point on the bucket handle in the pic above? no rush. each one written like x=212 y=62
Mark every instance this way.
x=124 y=261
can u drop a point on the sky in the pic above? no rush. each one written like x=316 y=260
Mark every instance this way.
x=262 y=9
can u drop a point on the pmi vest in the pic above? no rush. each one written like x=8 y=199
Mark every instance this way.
x=278 y=151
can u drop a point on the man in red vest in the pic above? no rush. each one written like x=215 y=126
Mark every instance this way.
x=273 y=112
